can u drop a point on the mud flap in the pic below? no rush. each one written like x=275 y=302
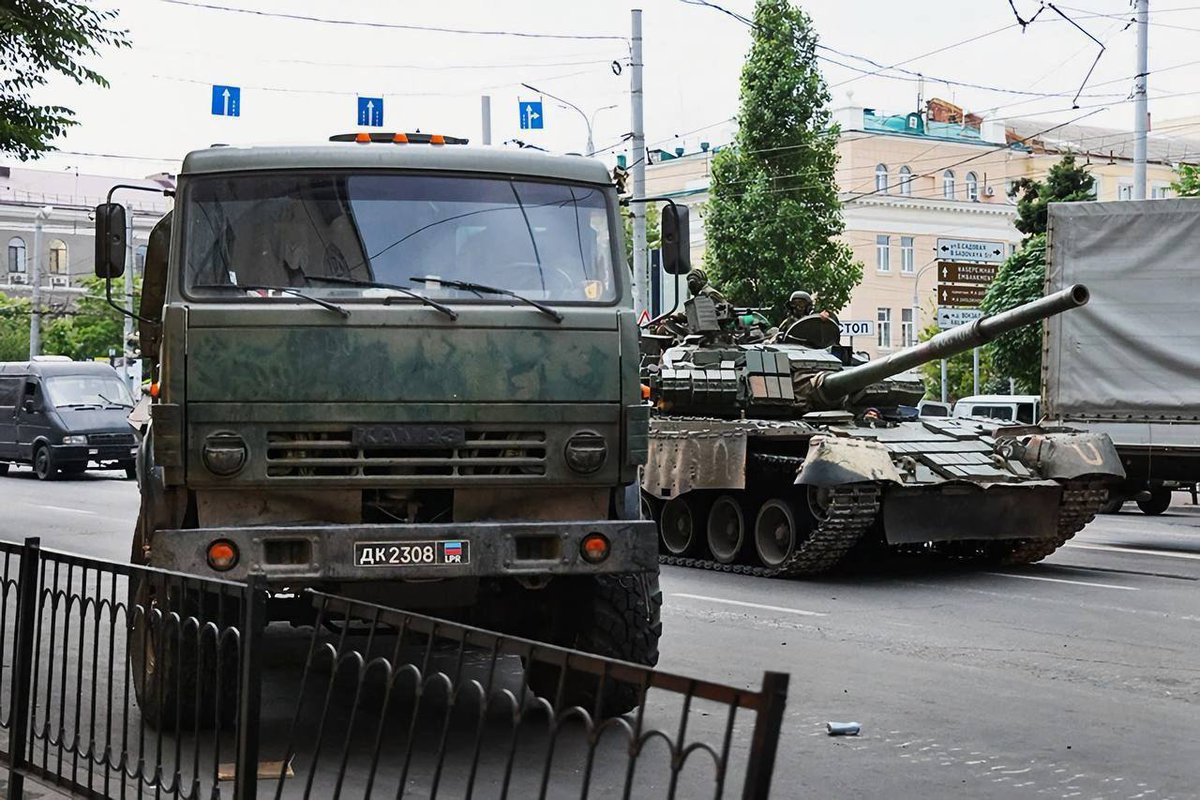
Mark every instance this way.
x=960 y=511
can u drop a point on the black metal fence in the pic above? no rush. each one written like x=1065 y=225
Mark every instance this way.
x=123 y=681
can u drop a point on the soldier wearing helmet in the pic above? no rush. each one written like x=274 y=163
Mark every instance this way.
x=697 y=283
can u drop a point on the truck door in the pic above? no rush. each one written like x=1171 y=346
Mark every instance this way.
x=31 y=423
x=10 y=395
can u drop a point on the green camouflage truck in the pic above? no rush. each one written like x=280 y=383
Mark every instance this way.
x=403 y=370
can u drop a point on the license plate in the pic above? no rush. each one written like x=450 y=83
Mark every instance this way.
x=438 y=553
x=385 y=436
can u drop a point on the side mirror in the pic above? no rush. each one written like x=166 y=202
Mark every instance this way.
x=676 y=240
x=30 y=408
x=110 y=240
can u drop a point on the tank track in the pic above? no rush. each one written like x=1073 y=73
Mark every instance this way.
x=1080 y=504
x=852 y=511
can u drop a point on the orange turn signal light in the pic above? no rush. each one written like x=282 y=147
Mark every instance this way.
x=400 y=138
x=154 y=389
x=437 y=138
x=645 y=392
x=363 y=138
x=222 y=555
x=594 y=548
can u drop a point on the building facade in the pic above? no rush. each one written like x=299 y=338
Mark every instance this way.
x=63 y=252
x=908 y=180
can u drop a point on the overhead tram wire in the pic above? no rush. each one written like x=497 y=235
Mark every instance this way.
x=393 y=25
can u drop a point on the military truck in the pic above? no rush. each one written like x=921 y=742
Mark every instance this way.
x=402 y=369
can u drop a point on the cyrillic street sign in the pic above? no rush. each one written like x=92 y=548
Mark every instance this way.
x=981 y=274
x=857 y=327
x=970 y=250
x=962 y=296
x=952 y=317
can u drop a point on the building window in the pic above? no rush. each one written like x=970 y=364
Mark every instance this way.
x=948 y=184
x=906 y=181
x=1125 y=191
x=972 y=187
x=139 y=256
x=58 y=257
x=884 y=318
x=1095 y=187
x=881 y=178
x=883 y=253
x=1160 y=191
x=16 y=254
x=907 y=256
x=906 y=328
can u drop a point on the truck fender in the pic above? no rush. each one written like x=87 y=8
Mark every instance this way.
x=834 y=461
x=1066 y=456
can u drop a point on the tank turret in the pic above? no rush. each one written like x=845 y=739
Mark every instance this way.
x=717 y=371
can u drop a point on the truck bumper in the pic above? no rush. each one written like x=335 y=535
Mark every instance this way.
x=313 y=553
x=94 y=454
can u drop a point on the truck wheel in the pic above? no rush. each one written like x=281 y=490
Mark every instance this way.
x=43 y=464
x=1160 y=501
x=616 y=616
x=130 y=470
x=170 y=663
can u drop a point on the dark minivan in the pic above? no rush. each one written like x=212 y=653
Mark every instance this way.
x=65 y=416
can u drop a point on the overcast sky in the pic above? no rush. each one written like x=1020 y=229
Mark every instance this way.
x=300 y=79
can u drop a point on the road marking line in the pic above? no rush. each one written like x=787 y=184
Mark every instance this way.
x=1063 y=580
x=69 y=510
x=1136 y=550
x=781 y=609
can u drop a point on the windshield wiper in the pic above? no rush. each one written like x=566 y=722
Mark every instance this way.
x=445 y=309
x=260 y=287
x=113 y=402
x=481 y=288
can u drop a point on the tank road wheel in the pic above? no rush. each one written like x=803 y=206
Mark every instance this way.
x=726 y=528
x=775 y=532
x=1159 y=501
x=677 y=525
x=615 y=616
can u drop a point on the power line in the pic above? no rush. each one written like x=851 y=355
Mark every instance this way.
x=393 y=25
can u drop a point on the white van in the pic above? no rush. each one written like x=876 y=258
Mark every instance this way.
x=1015 y=408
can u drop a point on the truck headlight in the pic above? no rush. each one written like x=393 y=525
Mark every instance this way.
x=224 y=453
x=77 y=439
x=585 y=452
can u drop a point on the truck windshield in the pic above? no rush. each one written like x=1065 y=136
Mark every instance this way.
x=546 y=241
x=66 y=391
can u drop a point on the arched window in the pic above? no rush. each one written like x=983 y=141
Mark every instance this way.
x=58 y=257
x=972 y=187
x=881 y=178
x=905 y=181
x=948 y=184
x=16 y=254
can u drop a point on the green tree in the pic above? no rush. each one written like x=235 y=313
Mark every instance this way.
x=1187 y=181
x=1022 y=276
x=92 y=327
x=14 y=328
x=960 y=373
x=653 y=229
x=37 y=39
x=1067 y=182
x=773 y=216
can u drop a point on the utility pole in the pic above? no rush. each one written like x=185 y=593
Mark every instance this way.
x=1141 y=114
x=126 y=347
x=485 y=107
x=35 y=277
x=641 y=274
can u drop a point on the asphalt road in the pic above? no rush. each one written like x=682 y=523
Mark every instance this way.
x=1076 y=677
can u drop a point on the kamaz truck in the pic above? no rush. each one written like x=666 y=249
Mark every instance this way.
x=401 y=369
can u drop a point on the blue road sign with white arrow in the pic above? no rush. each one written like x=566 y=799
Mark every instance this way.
x=370 y=111
x=531 y=115
x=227 y=101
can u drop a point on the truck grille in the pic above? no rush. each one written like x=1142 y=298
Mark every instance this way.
x=292 y=454
x=111 y=438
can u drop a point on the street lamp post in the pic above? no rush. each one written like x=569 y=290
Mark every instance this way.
x=588 y=121
x=916 y=310
x=35 y=277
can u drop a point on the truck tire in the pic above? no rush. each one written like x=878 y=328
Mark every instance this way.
x=43 y=464
x=616 y=616
x=1160 y=501
x=170 y=663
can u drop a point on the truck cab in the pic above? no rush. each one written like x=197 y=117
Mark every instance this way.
x=400 y=368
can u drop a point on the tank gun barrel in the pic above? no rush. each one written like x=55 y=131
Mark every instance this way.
x=835 y=385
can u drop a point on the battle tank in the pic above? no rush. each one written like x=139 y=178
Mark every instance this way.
x=776 y=455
